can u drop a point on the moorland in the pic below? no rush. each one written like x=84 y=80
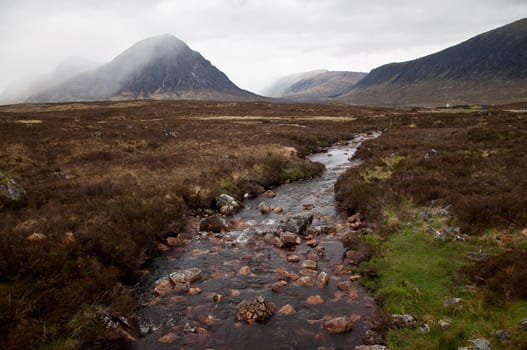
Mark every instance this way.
x=107 y=182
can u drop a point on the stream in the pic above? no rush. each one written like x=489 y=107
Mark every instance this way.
x=246 y=263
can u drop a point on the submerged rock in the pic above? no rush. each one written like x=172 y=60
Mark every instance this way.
x=338 y=325
x=287 y=310
x=259 y=309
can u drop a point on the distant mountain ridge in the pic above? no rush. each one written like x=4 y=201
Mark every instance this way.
x=158 y=67
x=318 y=85
x=488 y=68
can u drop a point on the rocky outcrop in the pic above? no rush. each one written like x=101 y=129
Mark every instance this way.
x=12 y=195
x=259 y=309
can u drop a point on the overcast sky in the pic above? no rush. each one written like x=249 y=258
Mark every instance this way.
x=252 y=41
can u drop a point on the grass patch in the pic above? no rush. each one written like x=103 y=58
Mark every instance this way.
x=416 y=273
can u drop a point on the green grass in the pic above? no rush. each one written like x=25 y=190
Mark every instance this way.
x=416 y=273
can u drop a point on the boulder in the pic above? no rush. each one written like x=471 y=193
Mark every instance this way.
x=228 y=205
x=259 y=309
x=214 y=224
x=11 y=194
x=403 y=321
x=338 y=325
x=296 y=223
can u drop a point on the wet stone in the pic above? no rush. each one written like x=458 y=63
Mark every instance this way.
x=287 y=310
x=371 y=347
x=322 y=279
x=289 y=239
x=296 y=223
x=258 y=309
x=163 y=287
x=194 y=291
x=338 y=325
x=345 y=286
x=309 y=264
x=315 y=300
x=293 y=258
x=264 y=208
x=305 y=281
x=279 y=286
x=308 y=272
x=185 y=276
x=245 y=270
x=214 y=224
x=312 y=243
x=168 y=338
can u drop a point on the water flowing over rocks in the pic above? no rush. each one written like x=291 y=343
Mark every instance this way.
x=209 y=288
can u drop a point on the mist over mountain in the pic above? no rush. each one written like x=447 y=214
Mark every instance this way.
x=488 y=68
x=317 y=85
x=21 y=90
x=160 y=67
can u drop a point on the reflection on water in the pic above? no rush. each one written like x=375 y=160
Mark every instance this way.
x=244 y=264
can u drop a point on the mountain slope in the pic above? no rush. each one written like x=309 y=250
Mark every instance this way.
x=489 y=68
x=19 y=91
x=157 y=67
x=316 y=85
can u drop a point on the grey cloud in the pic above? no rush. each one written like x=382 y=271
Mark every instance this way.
x=250 y=40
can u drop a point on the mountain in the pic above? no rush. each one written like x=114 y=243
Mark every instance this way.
x=489 y=68
x=161 y=67
x=318 y=85
x=19 y=91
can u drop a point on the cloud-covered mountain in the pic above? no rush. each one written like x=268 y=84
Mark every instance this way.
x=21 y=90
x=161 y=67
x=489 y=68
x=318 y=85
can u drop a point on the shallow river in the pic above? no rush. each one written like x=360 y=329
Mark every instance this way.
x=244 y=264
